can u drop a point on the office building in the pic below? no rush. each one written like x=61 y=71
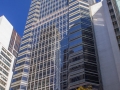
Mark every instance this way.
x=9 y=46
x=107 y=45
x=14 y=43
x=58 y=50
x=114 y=9
x=8 y=36
x=6 y=66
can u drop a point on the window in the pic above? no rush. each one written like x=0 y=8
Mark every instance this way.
x=16 y=79
x=18 y=71
x=6 y=57
x=91 y=78
x=75 y=42
x=75 y=68
x=76 y=58
x=5 y=61
x=74 y=35
x=74 y=28
x=76 y=49
x=2 y=70
x=77 y=14
x=15 y=88
x=75 y=21
x=77 y=78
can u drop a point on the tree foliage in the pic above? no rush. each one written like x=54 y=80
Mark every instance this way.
x=82 y=88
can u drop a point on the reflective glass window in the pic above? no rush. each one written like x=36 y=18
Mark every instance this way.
x=25 y=38
x=77 y=14
x=74 y=35
x=74 y=10
x=86 y=21
x=75 y=21
x=84 y=26
x=19 y=64
x=24 y=78
x=74 y=28
x=76 y=49
x=75 y=42
x=64 y=49
x=23 y=87
x=64 y=42
x=74 y=5
x=26 y=70
x=24 y=44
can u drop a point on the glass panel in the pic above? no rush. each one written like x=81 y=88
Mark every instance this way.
x=77 y=14
x=74 y=28
x=76 y=49
x=24 y=78
x=64 y=49
x=75 y=21
x=64 y=42
x=74 y=10
x=74 y=35
x=75 y=42
x=74 y=5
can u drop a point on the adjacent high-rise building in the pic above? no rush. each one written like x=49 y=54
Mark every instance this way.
x=114 y=9
x=9 y=45
x=107 y=44
x=9 y=37
x=6 y=67
x=14 y=43
x=58 y=50
x=80 y=63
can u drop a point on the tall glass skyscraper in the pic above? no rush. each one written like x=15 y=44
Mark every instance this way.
x=58 y=49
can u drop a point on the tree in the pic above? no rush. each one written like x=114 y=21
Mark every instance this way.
x=82 y=88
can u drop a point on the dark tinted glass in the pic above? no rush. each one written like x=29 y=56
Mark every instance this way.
x=75 y=42
x=74 y=28
x=76 y=49
x=74 y=35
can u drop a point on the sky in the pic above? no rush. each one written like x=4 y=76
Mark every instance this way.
x=16 y=12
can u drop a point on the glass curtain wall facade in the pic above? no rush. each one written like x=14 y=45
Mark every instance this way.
x=57 y=50
x=43 y=43
x=21 y=72
x=82 y=66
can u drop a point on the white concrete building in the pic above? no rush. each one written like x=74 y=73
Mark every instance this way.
x=5 y=31
x=6 y=66
x=9 y=46
x=107 y=46
x=8 y=36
